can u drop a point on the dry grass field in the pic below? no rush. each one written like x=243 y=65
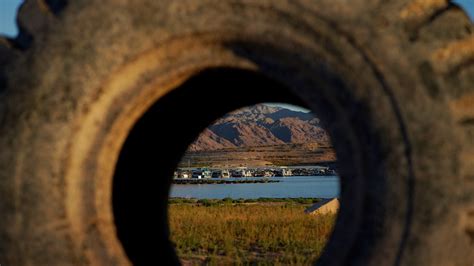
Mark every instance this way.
x=242 y=233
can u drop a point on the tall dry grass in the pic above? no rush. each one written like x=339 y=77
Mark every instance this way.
x=243 y=233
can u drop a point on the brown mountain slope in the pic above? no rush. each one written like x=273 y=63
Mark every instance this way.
x=211 y=141
x=261 y=125
x=295 y=130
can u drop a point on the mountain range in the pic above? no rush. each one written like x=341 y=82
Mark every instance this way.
x=261 y=125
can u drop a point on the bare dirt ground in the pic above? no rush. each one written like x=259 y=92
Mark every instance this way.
x=286 y=154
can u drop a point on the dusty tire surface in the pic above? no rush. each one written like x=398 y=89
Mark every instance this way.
x=392 y=80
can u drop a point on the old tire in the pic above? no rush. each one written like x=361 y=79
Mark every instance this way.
x=393 y=81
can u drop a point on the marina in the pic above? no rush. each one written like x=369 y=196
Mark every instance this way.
x=245 y=172
x=223 y=181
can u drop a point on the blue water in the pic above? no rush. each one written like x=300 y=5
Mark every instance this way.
x=288 y=187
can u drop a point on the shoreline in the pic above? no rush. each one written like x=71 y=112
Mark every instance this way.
x=299 y=200
x=209 y=181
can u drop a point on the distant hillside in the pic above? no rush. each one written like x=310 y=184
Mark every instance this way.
x=282 y=154
x=261 y=125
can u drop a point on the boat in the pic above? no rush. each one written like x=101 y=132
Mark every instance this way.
x=259 y=173
x=268 y=173
x=225 y=174
x=216 y=174
x=206 y=173
x=287 y=172
x=236 y=173
x=197 y=174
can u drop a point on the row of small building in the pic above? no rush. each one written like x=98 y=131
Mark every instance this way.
x=199 y=173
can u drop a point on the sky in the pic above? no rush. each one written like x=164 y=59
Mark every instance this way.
x=8 y=9
x=289 y=106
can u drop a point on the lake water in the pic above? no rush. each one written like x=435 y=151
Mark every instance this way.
x=288 y=187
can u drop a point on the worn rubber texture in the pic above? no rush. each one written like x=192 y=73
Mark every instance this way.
x=392 y=80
